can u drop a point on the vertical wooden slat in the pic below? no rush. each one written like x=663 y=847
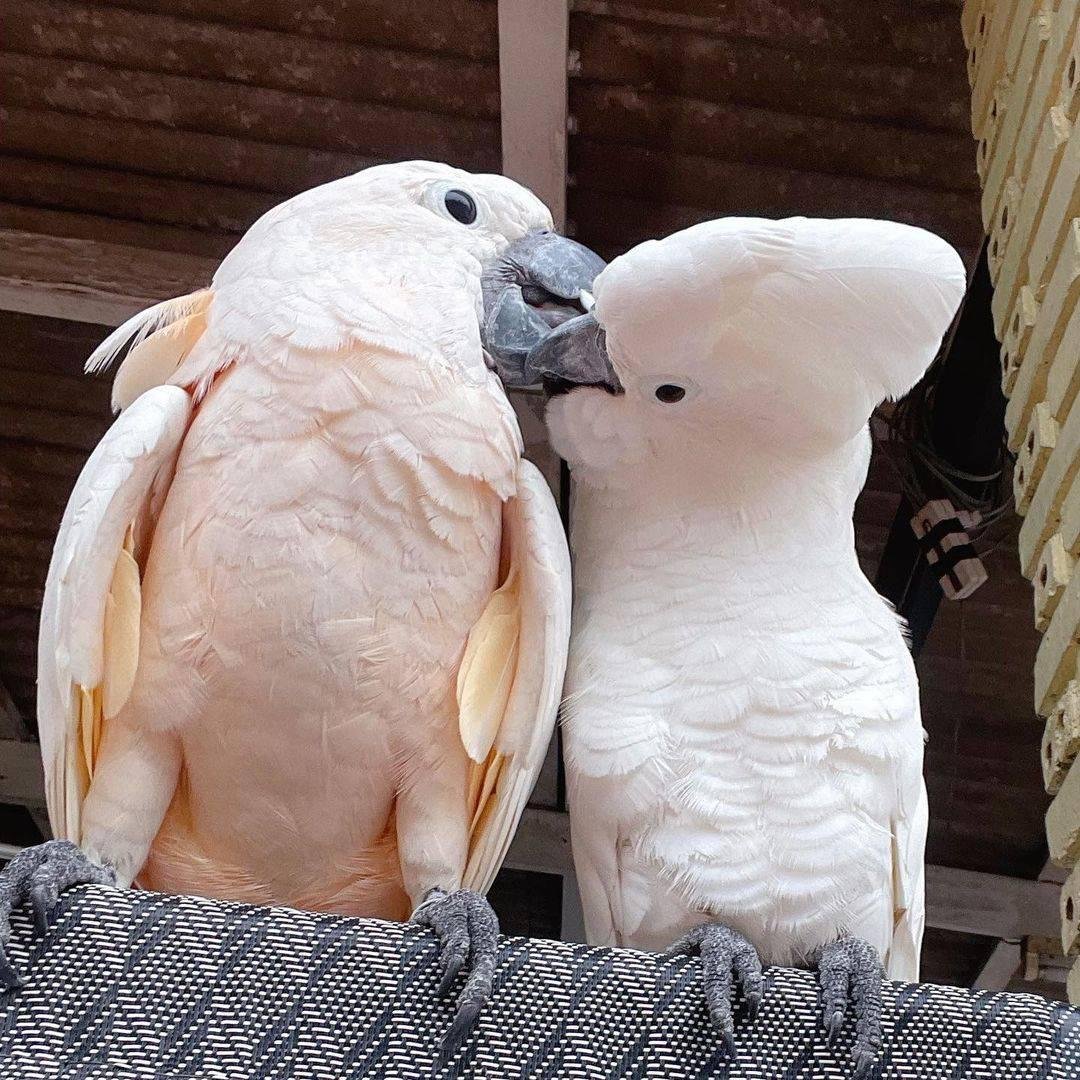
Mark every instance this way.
x=533 y=40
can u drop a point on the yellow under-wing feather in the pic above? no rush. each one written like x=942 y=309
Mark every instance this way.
x=89 y=733
x=482 y=784
x=99 y=704
x=486 y=674
x=154 y=360
x=510 y=678
x=123 y=612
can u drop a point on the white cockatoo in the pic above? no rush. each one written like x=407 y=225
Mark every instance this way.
x=305 y=626
x=742 y=733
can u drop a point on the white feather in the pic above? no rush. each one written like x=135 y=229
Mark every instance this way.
x=742 y=721
x=113 y=488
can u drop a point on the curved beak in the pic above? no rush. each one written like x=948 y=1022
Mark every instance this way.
x=574 y=354
x=538 y=283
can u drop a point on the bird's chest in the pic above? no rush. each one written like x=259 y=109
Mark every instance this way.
x=304 y=523
x=719 y=703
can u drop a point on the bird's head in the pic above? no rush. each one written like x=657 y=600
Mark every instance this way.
x=476 y=249
x=745 y=340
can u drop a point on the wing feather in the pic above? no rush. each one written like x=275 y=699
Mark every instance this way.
x=486 y=675
x=88 y=643
x=909 y=890
x=156 y=341
x=511 y=686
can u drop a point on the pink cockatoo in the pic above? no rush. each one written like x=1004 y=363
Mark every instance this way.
x=305 y=627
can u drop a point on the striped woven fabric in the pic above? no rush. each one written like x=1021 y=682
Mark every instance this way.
x=137 y=985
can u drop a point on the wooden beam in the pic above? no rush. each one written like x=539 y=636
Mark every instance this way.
x=89 y=281
x=968 y=902
x=998 y=971
x=533 y=42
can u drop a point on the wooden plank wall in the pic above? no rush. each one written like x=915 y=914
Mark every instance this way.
x=683 y=110
x=51 y=417
x=173 y=124
x=1024 y=70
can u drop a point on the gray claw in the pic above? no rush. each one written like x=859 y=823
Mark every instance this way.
x=43 y=897
x=464 y=1021
x=727 y=1037
x=38 y=876
x=452 y=965
x=725 y=956
x=833 y=1024
x=850 y=973
x=864 y=1064
x=468 y=932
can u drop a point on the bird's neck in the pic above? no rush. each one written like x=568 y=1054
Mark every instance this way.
x=780 y=511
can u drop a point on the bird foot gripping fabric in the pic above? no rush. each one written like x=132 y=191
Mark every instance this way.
x=725 y=956
x=37 y=877
x=468 y=931
x=851 y=975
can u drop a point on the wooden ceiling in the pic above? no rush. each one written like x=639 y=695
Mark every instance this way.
x=170 y=125
x=174 y=125
x=685 y=110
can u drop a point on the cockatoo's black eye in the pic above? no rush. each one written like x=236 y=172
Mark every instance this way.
x=460 y=206
x=669 y=393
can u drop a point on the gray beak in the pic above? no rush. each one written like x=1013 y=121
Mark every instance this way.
x=535 y=286
x=574 y=354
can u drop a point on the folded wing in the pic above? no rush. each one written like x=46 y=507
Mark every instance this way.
x=88 y=647
x=511 y=676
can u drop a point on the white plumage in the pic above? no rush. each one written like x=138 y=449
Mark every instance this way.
x=742 y=720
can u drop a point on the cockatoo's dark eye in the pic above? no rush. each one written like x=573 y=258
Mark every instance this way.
x=460 y=206
x=669 y=393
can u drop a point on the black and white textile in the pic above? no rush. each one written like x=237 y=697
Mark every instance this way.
x=148 y=987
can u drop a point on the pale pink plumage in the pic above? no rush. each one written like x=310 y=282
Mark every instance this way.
x=344 y=502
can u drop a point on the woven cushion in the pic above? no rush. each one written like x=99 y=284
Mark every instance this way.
x=137 y=985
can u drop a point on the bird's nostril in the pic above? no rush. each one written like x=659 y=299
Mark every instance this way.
x=535 y=295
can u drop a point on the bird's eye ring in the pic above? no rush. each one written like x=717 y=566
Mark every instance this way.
x=460 y=205
x=670 y=393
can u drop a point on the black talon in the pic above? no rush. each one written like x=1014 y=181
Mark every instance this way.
x=42 y=899
x=450 y=973
x=464 y=1021
x=9 y=979
x=728 y=1039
